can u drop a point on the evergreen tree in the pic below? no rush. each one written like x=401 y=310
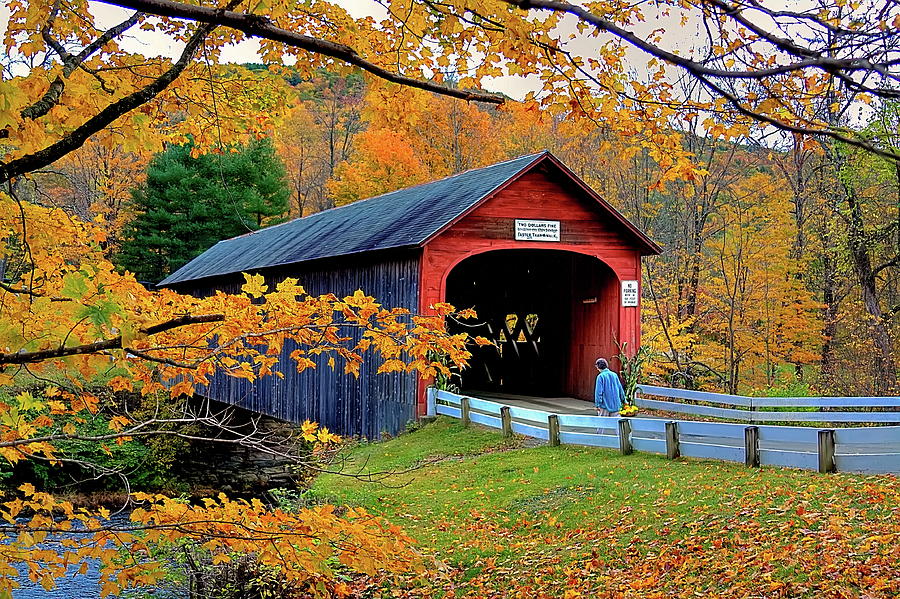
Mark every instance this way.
x=190 y=202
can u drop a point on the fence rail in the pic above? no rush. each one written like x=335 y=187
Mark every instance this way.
x=746 y=409
x=874 y=450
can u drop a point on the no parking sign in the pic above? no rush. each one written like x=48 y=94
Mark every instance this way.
x=629 y=293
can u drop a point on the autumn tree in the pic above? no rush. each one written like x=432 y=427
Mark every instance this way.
x=768 y=318
x=519 y=38
x=65 y=307
x=863 y=201
x=751 y=315
x=448 y=137
x=524 y=129
x=94 y=181
x=190 y=201
x=336 y=106
x=317 y=135
x=301 y=147
x=843 y=228
x=410 y=137
x=384 y=161
x=688 y=217
x=147 y=342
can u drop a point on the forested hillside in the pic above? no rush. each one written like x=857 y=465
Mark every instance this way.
x=780 y=263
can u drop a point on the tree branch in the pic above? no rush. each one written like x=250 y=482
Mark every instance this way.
x=704 y=74
x=260 y=26
x=108 y=35
x=892 y=263
x=107 y=344
x=17 y=290
x=808 y=58
x=107 y=116
x=856 y=142
x=70 y=63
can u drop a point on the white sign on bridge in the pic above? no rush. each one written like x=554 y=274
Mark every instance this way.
x=537 y=230
x=629 y=293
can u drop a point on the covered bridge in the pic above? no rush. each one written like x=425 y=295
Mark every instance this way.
x=551 y=268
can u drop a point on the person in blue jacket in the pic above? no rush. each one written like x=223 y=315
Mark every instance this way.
x=608 y=392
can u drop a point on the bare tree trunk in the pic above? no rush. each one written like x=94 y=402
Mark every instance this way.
x=858 y=245
x=829 y=326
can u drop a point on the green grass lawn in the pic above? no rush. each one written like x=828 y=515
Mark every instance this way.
x=510 y=521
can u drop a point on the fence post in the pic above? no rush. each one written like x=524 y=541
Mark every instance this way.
x=826 y=451
x=751 y=446
x=464 y=411
x=553 y=429
x=672 y=450
x=625 y=447
x=430 y=402
x=506 y=421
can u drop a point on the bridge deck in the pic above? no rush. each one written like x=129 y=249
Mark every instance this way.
x=557 y=405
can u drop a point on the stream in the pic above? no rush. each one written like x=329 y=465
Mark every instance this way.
x=78 y=586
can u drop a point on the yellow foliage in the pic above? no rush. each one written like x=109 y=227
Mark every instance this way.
x=64 y=304
x=254 y=285
x=385 y=161
x=301 y=545
x=752 y=312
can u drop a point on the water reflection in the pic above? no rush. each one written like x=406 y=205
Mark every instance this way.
x=80 y=586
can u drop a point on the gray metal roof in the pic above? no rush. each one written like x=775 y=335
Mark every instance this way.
x=404 y=218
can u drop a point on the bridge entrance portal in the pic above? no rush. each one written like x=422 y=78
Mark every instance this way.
x=545 y=311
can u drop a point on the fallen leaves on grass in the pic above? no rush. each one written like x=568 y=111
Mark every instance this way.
x=838 y=539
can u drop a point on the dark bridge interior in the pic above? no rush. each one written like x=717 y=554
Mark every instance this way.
x=534 y=305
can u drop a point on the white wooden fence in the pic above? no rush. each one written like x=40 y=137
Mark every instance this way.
x=770 y=409
x=867 y=450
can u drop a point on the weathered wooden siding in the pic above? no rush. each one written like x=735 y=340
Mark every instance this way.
x=366 y=406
